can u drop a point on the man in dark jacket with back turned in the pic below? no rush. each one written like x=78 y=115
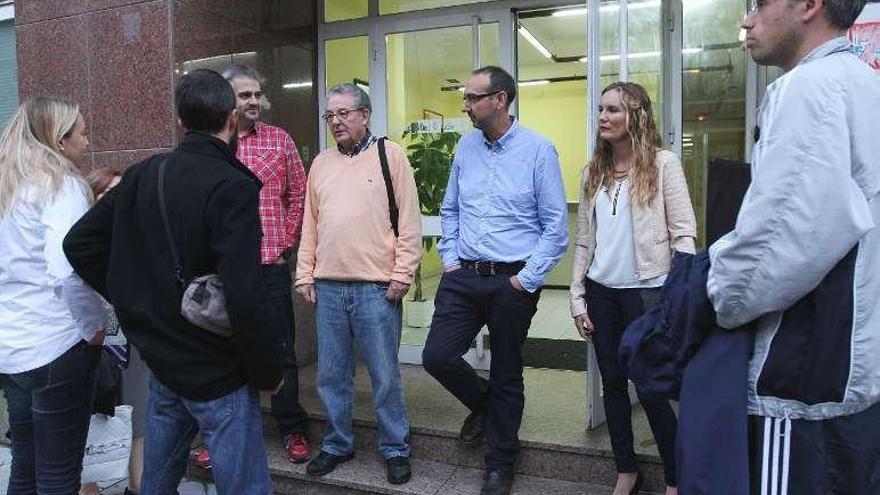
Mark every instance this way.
x=201 y=381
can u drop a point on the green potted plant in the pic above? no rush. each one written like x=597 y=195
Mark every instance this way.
x=430 y=155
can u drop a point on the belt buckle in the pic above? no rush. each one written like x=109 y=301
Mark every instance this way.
x=480 y=271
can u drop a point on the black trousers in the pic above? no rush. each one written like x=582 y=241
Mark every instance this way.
x=466 y=301
x=838 y=456
x=611 y=311
x=286 y=408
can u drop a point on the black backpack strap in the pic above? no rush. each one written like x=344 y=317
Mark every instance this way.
x=178 y=268
x=389 y=187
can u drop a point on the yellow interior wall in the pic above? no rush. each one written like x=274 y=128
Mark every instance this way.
x=557 y=112
x=340 y=10
x=346 y=59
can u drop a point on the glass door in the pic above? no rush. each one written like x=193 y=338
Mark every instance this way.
x=424 y=73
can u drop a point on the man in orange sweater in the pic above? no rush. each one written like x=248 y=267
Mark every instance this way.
x=357 y=256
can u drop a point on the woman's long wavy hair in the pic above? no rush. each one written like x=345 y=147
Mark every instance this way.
x=645 y=143
x=29 y=152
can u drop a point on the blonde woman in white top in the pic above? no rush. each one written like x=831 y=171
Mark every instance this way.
x=48 y=316
x=634 y=212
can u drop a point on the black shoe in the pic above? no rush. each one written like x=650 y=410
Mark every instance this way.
x=326 y=462
x=497 y=483
x=473 y=429
x=129 y=492
x=397 y=469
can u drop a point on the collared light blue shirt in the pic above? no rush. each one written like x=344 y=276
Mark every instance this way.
x=505 y=202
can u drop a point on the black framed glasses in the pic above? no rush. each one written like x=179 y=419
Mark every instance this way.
x=343 y=114
x=473 y=98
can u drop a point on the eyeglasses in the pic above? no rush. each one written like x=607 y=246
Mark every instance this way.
x=473 y=98
x=341 y=114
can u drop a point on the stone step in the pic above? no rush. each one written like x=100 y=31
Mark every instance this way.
x=366 y=474
x=563 y=463
x=555 y=443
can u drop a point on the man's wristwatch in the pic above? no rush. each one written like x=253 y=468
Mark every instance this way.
x=287 y=254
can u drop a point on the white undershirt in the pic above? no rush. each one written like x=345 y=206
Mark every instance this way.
x=45 y=308
x=614 y=262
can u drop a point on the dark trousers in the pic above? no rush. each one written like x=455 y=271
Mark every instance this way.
x=49 y=410
x=286 y=408
x=466 y=301
x=611 y=311
x=837 y=456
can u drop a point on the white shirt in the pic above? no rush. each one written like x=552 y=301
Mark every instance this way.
x=45 y=308
x=614 y=263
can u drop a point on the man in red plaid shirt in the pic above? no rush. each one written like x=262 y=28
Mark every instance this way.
x=270 y=153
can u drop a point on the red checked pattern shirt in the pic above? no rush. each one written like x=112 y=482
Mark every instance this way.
x=271 y=154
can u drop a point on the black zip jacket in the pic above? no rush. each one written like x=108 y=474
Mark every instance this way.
x=120 y=248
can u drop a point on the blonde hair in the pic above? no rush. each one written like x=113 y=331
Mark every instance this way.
x=645 y=143
x=29 y=152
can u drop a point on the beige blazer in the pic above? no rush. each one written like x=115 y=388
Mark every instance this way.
x=664 y=227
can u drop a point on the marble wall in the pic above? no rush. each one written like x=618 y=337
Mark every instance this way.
x=119 y=59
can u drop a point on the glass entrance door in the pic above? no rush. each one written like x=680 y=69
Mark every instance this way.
x=425 y=73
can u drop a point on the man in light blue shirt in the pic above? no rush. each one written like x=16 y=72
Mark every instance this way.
x=504 y=228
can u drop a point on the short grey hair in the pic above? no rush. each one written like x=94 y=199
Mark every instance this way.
x=241 y=70
x=361 y=98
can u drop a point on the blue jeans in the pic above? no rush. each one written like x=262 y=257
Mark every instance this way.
x=349 y=314
x=49 y=410
x=232 y=428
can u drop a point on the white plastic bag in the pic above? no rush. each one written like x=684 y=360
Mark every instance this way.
x=108 y=447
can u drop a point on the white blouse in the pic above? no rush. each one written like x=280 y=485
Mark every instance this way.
x=45 y=308
x=614 y=263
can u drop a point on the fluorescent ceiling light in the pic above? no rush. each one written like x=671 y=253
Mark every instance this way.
x=534 y=41
x=638 y=55
x=607 y=8
x=297 y=85
x=533 y=83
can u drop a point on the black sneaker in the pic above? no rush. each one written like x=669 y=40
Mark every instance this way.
x=326 y=462
x=473 y=429
x=398 y=470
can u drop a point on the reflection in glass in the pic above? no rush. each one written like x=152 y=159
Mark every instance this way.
x=713 y=93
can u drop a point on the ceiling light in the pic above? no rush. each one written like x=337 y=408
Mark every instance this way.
x=534 y=41
x=533 y=83
x=297 y=85
x=610 y=7
x=638 y=55
x=570 y=12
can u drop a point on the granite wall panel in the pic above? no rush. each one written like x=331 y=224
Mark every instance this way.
x=130 y=81
x=27 y=11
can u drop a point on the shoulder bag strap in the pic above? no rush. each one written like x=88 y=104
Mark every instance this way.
x=178 y=269
x=389 y=187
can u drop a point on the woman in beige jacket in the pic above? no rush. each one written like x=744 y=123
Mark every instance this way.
x=634 y=213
